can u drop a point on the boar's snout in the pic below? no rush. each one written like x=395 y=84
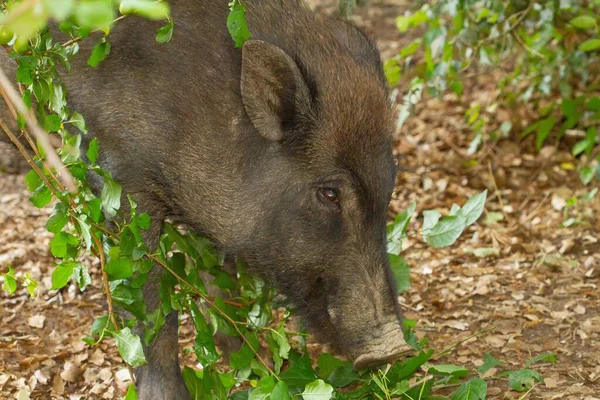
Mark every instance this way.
x=387 y=349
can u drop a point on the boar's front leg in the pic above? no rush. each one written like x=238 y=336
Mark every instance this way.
x=160 y=378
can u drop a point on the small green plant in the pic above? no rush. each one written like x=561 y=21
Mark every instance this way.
x=545 y=54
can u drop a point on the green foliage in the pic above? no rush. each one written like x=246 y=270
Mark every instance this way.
x=79 y=226
x=545 y=54
x=236 y=23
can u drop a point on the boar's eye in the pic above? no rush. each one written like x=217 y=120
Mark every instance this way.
x=331 y=195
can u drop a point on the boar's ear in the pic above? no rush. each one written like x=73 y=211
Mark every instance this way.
x=273 y=89
x=360 y=46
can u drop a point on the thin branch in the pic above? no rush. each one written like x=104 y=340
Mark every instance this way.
x=80 y=38
x=52 y=160
x=111 y=309
x=212 y=305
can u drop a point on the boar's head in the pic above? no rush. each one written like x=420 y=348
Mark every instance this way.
x=322 y=184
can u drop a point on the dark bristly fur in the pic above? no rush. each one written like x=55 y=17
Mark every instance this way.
x=236 y=143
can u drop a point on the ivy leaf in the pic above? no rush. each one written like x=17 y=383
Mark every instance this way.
x=401 y=272
x=62 y=273
x=523 y=379
x=489 y=362
x=165 y=33
x=475 y=389
x=99 y=53
x=130 y=347
x=237 y=25
x=317 y=390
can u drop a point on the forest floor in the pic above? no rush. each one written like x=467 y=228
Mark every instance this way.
x=517 y=284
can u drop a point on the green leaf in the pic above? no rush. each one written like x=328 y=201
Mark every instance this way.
x=489 y=362
x=317 y=390
x=151 y=9
x=59 y=9
x=119 y=267
x=236 y=24
x=401 y=272
x=473 y=208
x=347 y=8
x=130 y=347
x=326 y=364
x=95 y=14
x=62 y=273
x=392 y=71
x=9 y=284
x=280 y=337
x=32 y=180
x=92 y=152
x=397 y=230
x=59 y=245
x=586 y=174
x=401 y=371
x=523 y=379
x=343 y=376
x=445 y=232
x=165 y=33
x=131 y=393
x=430 y=219
x=546 y=357
x=543 y=131
x=193 y=383
x=41 y=197
x=449 y=369
x=280 y=392
x=78 y=121
x=590 y=45
x=81 y=276
x=299 y=374
x=99 y=53
x=583 y=22
x=111 y=196
x=475 y=389
x=57 y=221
